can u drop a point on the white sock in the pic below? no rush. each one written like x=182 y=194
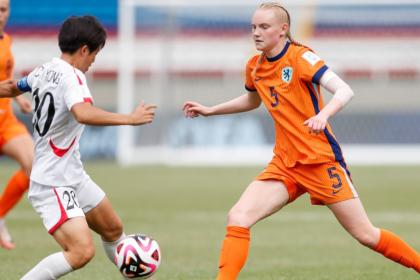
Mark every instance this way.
x=109 y=247
x=52 y=267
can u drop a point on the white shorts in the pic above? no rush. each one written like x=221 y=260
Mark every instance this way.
x=56 y=205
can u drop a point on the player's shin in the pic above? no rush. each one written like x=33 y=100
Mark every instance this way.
x=109 y=247
x=234 y=252
x=394 y=248
x=13 y=192
x=52 y=267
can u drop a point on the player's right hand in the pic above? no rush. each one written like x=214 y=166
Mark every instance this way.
x=193 y=109
x=143 y=114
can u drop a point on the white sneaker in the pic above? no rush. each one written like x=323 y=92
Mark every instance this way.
x=5 y=238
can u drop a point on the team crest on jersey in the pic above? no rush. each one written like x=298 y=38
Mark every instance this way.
x=286 y=74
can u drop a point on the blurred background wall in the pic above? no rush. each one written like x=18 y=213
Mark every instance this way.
x=198 y=52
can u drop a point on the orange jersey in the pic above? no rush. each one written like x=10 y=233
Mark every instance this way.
x=6 y=70
x=288 y=85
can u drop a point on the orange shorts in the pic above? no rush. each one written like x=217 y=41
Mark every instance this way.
x=10 y=127
x=326 y=183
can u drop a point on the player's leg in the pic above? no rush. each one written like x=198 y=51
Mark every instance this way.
x=19 y=148
x=100 y=216
x=260 y=200
x=104 y=221
x=78 y=249
x=63 y=217
x=352 y=216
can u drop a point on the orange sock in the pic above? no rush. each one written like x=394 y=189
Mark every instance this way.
x=394 y=248
x=234 y=252
x=14 y=190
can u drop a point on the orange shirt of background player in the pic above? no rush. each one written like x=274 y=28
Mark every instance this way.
x=6 y=69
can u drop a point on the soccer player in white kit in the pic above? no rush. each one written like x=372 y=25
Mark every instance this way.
x=61 y=192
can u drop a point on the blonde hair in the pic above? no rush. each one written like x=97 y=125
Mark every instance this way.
x=278 y=8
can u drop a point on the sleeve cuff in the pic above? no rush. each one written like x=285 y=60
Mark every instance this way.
x=250 y=89
x=318 y=74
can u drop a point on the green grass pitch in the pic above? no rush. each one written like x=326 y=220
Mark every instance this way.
x=185 y=210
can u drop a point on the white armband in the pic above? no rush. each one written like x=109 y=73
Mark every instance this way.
x=336 y=86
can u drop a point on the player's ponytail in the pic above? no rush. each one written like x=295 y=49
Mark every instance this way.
x=259 y=61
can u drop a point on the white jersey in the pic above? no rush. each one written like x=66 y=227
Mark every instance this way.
x=56 y=86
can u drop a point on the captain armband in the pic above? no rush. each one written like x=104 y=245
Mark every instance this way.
x=23 y=85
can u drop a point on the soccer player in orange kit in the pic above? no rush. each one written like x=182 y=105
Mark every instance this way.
x=286 y=77
x=15 y=140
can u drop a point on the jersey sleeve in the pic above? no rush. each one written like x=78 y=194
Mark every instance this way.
x=25 y=84
x=73 y=91
x=311 y=66
x=30 y=77
x=249 y=81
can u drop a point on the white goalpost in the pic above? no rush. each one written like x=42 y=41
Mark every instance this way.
x=163 y=59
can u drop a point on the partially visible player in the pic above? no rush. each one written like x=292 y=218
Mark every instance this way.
x=61 y=192
x=15 y=140
x=286 y=77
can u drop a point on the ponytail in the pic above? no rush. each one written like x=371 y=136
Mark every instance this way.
x=259 y=61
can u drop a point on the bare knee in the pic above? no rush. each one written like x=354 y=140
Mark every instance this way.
x=368 y=237
x=79 y=256
x=27 y=167
x=239 y=217
x=113 y=232
x=25 y=156
x=26 y=163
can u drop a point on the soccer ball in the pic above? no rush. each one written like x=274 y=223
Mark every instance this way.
x=137 y=256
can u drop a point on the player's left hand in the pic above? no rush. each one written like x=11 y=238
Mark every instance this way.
x=6 y=88
x=24 y=104
x=317 y=123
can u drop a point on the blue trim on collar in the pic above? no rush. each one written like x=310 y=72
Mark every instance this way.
x=280 y=55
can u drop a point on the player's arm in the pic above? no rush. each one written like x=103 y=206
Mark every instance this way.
x=243 y=103
x=85 y=113
x=9 y=88
x=24 y=104
x=342 y=95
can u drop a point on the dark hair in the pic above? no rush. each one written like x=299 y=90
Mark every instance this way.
x=77 y=31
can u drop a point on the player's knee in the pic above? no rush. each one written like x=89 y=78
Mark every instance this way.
x=367 y=238
x=82 y=255
x=114 y=231
x=25 y=162
x=239 y=217
x=27 y=168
